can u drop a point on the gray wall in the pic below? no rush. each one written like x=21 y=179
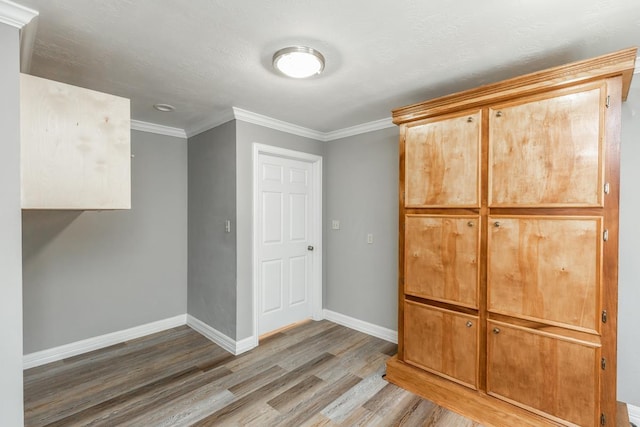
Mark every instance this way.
x=629 y=264
x=362 y=193
x=91 y=273
x=247 y=134
x=212 y=252
x=10 y=272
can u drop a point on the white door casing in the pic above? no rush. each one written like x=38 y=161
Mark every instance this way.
x=287 y=277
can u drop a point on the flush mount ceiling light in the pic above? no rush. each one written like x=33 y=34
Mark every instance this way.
x=165 y=108
x=298 y=62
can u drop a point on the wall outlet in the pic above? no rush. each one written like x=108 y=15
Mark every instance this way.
x=227 y=226
x=335 y=224
x=369 y=238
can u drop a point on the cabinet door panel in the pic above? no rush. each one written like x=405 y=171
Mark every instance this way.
x=442 y=162
x=441 y=258
x=548 y=152
x=546 y=269
x=544 y=373
x=442 y=341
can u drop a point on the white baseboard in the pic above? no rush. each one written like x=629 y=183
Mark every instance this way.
x=634 y=414
x=362 y=326
x=73 y=349
x=229 y=344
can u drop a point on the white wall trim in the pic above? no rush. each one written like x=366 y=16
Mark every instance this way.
x=15 y=14
x=636 y=70
x=232 y=346
x=634 y=414
x=317 y=221
x=271 y=123
x=209 y=123
x=362 y=326
x=358 y=129
x=158 y=129
x=268 y=122
x=68 y=350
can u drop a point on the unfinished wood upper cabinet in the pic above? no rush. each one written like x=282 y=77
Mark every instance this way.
x=443 y=342
x=442 y=254
x=443 y=161
x=546 y=269
x=547 y=150
x=544 y=373
x=75 y=147
x=509 y=221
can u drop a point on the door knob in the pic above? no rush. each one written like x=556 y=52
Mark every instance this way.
x=309 y=248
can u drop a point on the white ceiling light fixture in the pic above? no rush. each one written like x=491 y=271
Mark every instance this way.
x=298 y=62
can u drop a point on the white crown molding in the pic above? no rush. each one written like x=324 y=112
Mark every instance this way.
x=634 y=411
x=15 y=15
x=209 y=123
x=268 y=122
x=280 y=125
x=158 y=129
x=227 y=343
x=73 y=349
x=358 y=129
x=362 y=326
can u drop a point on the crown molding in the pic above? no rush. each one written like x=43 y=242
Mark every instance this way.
x=280 y=125
x=158 y=129
x=268 y=122
x=358 y=129
x=15 y=15
x=209 y=123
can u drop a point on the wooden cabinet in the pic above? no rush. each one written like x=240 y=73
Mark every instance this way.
x=75 y=147
x=508 y=246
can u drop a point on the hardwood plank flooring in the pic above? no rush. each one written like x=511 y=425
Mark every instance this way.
x=314 y=374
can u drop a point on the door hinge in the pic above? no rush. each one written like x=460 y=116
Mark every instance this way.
x=605 y=235
x=604 y=316
x=608 y=103
x=603 y=420
x=603 y=363
x=606 y=188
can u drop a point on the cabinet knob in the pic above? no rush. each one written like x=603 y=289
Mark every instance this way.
x=496 y=331
x=470 y=223
x=499 y=114
x=469 y=323
x=470 y=119
x=496 y=224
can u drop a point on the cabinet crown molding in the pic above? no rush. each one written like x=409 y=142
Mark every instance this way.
x=620 y=63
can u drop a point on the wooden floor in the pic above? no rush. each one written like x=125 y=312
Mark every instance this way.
x=316 y=374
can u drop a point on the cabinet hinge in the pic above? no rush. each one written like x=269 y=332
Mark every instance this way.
x=606 y=188
x=605 y=235
x=603 y=363
x=604 y=316
x=603 y=420
x=608 y=103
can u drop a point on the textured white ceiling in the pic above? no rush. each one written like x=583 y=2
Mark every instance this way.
x=205 y=56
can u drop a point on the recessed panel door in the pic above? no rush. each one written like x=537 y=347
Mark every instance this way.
x=442 y=341
x=548 y=150
x=543 y=372
x=285 y=247
x=442 y=162
x=546 y=269
x=441 y=258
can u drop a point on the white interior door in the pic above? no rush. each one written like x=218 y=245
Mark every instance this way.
x=285 y=246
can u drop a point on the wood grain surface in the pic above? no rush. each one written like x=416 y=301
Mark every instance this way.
x=316 y=374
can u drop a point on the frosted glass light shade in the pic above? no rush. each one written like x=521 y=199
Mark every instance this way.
x=298 y=62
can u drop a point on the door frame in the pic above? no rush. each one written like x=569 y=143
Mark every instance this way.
x=315 y=288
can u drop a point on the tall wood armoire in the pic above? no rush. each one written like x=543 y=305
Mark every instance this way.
x=509 y=246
